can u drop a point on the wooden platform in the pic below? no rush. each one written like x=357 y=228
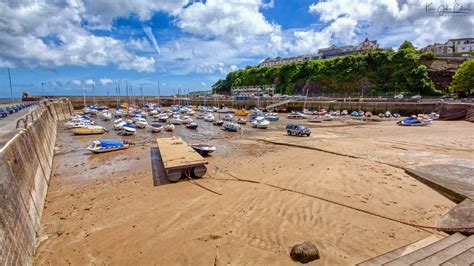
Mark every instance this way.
x=177 y=154
x=455 y=249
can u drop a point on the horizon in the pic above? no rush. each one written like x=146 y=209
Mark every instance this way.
x=181 y=45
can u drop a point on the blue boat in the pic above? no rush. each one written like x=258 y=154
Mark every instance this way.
x=100 y=146
x=414 y=121
x=232 y=127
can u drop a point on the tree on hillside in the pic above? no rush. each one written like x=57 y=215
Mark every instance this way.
x=407 y=45
x=463 y=80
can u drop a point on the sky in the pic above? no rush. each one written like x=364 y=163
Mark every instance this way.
x=65 y=46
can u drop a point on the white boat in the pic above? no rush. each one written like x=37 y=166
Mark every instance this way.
x=169 y=127
x=101 y=146
x=106 y=116
x=209 y=118
x=232 y=127
x=128 y=130
x=155 y=127
x=89 y=130
x=327 y=117
x=163 y=117
x=119 y=123
x=228 y=117
x=177 y=120
x=260 y=122
x=80 y=124
x=296 y=116
x=141 y=123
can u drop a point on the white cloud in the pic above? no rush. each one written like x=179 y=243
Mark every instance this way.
x=233 y=21
x=49 y=34
x=105 y=81
x=75 y=82
x=395 y=21
x=89 y=82
x=203 y=84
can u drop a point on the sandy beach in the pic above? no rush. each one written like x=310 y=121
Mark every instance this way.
x=104 y=209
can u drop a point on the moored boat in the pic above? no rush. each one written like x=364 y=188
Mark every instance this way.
x=101 y=146
x=141 y=123
x=415 y=121
x=169 y=127
x=88 y=130
x=260 y=122
x=218 y=123
x=192 y=125
x=128 y=130
x=241 y=121
x=242 y=112
x=232 y=127
x=203 y=149
x=156 y=127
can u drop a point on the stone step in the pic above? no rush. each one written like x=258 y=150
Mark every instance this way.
x=391 y=255
x=465 y=258
x=426 y=251
x=447 y=253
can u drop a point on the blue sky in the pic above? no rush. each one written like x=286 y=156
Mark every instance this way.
x=189 y=45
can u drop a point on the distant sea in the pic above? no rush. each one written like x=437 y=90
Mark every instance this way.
x=9 y=100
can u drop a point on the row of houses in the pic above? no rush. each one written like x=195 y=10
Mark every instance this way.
x=461 y=45
x=323 y=53
x=251 y=91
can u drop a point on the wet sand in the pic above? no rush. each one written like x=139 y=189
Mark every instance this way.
x=104 y=209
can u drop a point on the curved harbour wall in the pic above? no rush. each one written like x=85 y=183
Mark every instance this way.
x=25 y=172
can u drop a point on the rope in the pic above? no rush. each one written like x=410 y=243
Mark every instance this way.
x=420 y=226
x=199 y=185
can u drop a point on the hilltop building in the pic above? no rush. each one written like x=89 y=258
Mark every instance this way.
x=323 y=53
x=461 y=45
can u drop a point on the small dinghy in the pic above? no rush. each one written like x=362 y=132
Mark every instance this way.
x=169 y=127
x=232 y=127
x=242 y=121
x=156 y=127
x=128 y=130
x=163 y=117
x=141 y=123
x=218 y=123
x=88 y=130
x=228 y=117
x=316 y=119
x=101 y=146
x=192 y=125
x=203 y=149
x=414 y=121
x=119 y=123
x=260 y=122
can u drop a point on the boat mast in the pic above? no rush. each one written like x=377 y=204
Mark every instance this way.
x=93 y=93
x=83 y=94
x=143 y=97
x=11 y=88
x=159 y=94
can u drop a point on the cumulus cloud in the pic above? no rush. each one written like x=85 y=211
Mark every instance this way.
x=89 y=82
x=75 y=82
x=395 y=21
x=49 y=34
x=105 y=81
x=234 y=21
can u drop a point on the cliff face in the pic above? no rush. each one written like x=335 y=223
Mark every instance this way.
x=441 y=71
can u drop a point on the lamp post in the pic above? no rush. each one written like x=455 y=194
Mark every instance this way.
x=11 y=88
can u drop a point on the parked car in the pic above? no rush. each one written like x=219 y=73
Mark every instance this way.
x=3 y=113
x=298 y=130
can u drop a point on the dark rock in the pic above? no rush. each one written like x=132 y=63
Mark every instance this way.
x=305 y=252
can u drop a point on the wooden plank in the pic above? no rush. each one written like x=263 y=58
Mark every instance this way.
x=391 y=255
x=447 y=253
x=427 y=251
x=177 y=154
x=465 y=258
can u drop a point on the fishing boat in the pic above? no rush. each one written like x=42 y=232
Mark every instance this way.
x=200 y=116
x=88 y=130
x=141 y=123
x=242 y=112
x=155 y=127
x=316 y=119
x=415 y=121
x=119 y=123
x=203 y=149
x=192 y=125
x=169 y=127
x=232 y=127
x=218 y=123
x=128 y=130
x=101 y=146
x=228 y=117
x=241 y=121
x=260 y=122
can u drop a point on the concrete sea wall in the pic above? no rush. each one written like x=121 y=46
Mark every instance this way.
x=25 y=172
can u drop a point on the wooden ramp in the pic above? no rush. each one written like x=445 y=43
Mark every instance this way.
x=455 y=249
x=179 y=158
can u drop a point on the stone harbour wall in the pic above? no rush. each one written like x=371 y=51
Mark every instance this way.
x=25 y=172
